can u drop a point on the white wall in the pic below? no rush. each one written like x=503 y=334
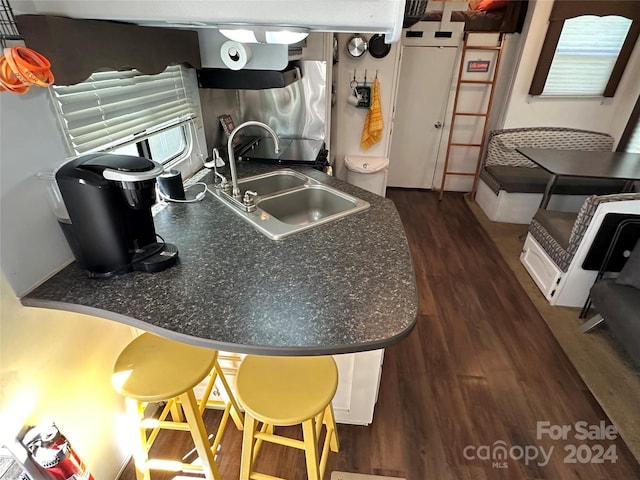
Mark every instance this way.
x=31 y=243
x=605 y=115
x=349 y=120
x=57 y=364
x=51 y=363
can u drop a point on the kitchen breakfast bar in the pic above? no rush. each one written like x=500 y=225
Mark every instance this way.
x=346 y=286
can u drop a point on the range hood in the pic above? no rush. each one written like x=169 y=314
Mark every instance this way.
x=248 y=79
x=357 y=16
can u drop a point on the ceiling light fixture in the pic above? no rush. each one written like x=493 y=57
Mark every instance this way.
x=265 y=34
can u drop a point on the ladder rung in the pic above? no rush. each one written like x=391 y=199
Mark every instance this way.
x=466 y=114
x=462 y=173
x=481 y=82
x=479 y=47
x=466 y=144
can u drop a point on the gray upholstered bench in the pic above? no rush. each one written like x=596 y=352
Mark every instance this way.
x=510 y=186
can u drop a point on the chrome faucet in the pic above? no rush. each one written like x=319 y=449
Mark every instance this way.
x=232 y=161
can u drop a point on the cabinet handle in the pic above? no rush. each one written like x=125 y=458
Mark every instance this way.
x=438 y=124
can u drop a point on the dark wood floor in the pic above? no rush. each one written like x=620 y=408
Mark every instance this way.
x=479 y=371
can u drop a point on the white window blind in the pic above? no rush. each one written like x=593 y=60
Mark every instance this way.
x=586 y=54
x=115 y=108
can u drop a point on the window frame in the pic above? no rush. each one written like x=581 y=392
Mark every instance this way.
x=146 y=147
x=565 y=9
x=632 y=123
x=141 y=142
x=144 y=150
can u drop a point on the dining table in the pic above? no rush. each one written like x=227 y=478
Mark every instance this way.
x=580 y=163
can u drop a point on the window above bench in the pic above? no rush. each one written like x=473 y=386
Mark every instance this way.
x=586 y=48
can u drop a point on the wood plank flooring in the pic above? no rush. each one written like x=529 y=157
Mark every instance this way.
x=480 y=370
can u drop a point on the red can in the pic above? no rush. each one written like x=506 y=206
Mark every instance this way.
x=53 y=452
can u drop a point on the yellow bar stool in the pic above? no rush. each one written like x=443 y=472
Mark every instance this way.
x=284 y=391
x=154 y=369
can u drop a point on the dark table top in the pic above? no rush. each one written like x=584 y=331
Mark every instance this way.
x=346 y=286
x=614 y=165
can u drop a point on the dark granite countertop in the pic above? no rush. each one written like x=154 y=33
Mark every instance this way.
x=346 y=286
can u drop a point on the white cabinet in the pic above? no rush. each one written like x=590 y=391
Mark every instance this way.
x=358 y=383
x=229 y=363
x=364 y=16
x=541 y=268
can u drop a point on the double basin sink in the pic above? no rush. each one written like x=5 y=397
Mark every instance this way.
x=289 y=202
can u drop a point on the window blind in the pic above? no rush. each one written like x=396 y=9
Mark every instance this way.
x=114 y=108
x=586 y=54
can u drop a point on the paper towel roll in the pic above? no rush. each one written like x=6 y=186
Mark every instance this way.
x=235 y=55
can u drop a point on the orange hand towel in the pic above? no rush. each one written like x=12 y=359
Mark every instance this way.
x=373 y=124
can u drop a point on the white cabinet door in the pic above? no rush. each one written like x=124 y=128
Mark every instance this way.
x=359 y=380
x=423 y=93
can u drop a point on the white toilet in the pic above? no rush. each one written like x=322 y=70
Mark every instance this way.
x=369 y=173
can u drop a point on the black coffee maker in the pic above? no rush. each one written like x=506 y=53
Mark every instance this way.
x=110 y=228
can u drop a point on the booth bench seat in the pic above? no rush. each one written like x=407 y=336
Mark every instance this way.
x=563 y=251
x=510 y=186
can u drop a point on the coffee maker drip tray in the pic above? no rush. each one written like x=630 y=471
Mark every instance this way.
x=155 y=257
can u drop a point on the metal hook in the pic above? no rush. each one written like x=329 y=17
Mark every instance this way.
x=353 y=83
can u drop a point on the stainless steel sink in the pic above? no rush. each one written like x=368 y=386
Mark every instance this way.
x=307 y=205
x=289 y=202
x=273 y=182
